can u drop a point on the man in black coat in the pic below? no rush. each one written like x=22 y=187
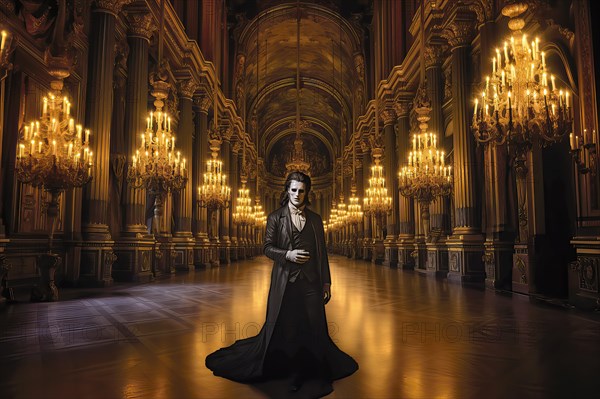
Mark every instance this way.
x=294 y=338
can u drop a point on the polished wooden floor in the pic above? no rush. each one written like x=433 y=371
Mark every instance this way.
x=413 y=337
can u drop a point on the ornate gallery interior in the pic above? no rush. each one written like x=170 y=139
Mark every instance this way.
x=452 y=147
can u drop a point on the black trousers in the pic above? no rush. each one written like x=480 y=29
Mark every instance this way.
x=300 y=336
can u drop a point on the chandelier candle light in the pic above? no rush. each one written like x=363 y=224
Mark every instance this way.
x=521 y=98
x=156 y=164
x=377 y=202
x=214 y=192
x=53 y=152
x=521 y=104
x=426 y=175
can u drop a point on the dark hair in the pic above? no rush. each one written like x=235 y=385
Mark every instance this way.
x=299 y=177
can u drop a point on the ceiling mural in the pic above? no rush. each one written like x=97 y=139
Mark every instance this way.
x=328 y=79
x=315 y=152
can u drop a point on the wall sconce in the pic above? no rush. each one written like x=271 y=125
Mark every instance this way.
x=584 y=152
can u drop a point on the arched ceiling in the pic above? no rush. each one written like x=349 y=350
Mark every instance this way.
x=327 y=75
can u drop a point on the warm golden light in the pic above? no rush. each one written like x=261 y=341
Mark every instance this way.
x=244 y=214
x=377 y=201
x=520 y=98
x=214 y=192
x=53 y=152
x=426 y=175
x=157 y=165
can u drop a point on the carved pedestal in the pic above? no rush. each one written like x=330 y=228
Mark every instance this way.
x=437 y=259
x=406 y=246
x=46 y=291
x=97 y=258
x=134 y=258
x=465 y=258
x=225 y=253
x=497 y=259
x=367 y=249
x=584 y=280
x=378 y=252
x=419 y=254
x=4 y=269
x=164 y=254
x=184 y=253
x=213 y=253
x=391 y=252
x=202 y=251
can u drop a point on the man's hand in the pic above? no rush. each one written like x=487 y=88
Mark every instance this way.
x=298 y=256
x=326 y=293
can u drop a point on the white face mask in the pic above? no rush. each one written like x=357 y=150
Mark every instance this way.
x=297 y=193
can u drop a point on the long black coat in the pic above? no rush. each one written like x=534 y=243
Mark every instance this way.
x=244 y=360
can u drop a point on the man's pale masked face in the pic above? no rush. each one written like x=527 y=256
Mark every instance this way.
x=297 y=193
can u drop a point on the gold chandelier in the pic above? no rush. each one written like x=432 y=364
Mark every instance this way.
x=426 y=176
x=355 y=213
x=214 y=193
x=53 y=152
x=520 y=100
x=244 y=214
x=377 y=202
x=156 y=165
x=260 y=219
x=333 y=219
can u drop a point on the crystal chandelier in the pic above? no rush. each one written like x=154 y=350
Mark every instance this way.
x=426 y=176
x=520 y=99
x=377 y=202
x=355 y=213
x=244 y=214
x=333 y=218
x=156 y=165
x=214 y=192
x=53 y=152
x=342 y=213
x=260 y=219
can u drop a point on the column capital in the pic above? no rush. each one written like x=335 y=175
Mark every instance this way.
x=203 y=102
x=459 y=32
x=402 y=108
x=140 y=25
x=187 y=88
x=434 y=53
x=484 y=9
x=389 y=116
x=113 y=7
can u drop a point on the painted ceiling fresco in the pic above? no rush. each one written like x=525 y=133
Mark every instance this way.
x=329 y=45
x=314 y=149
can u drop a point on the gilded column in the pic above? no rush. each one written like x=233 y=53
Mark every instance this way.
x=466 y=244
x=437 y=251
x=368 y=232
x=360 y=193
x=183 y=238
x=406 y=225
x=97 y=251
x=499 y=240
x=200 y=156
x=234 y=179
x=391 y=176
x=224 y=214
x=135 y=246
